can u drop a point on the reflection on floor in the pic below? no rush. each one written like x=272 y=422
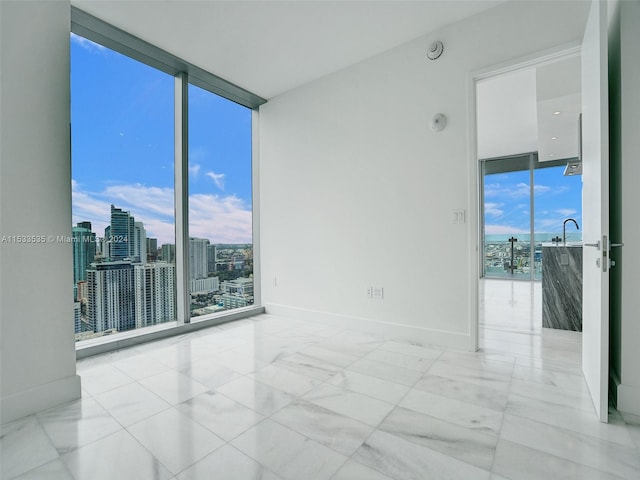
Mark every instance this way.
x=511 y=322
x=276 y=398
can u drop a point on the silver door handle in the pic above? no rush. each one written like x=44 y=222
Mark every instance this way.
x=597 y=244
x=612 y=263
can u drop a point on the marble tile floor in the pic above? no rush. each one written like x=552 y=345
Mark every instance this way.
x=274 y=398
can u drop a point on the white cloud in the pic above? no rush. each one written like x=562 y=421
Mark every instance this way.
x=221 y=219
x=566 y=212
x=86 y=208
x=218 y=179
x=87 y=44
x=522 y=190
x=519 y=190
x=553 y=224
x=138 y=197
x=503 y=230
x=492 y=189
x=194 y=169
x=541 y=189
x=493 y=209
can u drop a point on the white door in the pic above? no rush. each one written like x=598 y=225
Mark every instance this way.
x=595 y=209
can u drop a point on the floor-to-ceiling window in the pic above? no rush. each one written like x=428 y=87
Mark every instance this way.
x=507 y=217
x=123 y=191
x=220 y=230
x=150 y=244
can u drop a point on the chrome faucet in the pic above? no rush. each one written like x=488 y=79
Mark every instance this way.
x=564 y=228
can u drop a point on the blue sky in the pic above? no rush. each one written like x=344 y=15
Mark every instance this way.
x=123 y=148
x=556 y=198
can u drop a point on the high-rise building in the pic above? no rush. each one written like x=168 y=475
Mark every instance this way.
x=239 y=286
x=155 y=293
x=212 y=257
x=139 y=243
x=152 y=249
x=77 y=317
x=121 y=234
x=205 y=285
x=84 y=250
x=111 y=292
x=84 y=224
x=168 y=253
x=105 y=246
x=237 y=293
x=198 y=258
x=231 y=301
x=83 y=291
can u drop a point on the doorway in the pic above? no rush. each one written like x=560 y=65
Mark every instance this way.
x=596 y=263
x=529 y=164
x=530 y=195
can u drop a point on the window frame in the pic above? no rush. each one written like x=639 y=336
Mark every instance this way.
x=184 y=73
x=103 y=33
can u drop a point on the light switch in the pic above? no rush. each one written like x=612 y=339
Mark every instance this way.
x=459 y=216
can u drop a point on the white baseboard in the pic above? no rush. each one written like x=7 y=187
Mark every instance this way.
x=629 y=399
x=39 y=398
x=396 y=331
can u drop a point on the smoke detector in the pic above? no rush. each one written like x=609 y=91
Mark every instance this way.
x=435 y=50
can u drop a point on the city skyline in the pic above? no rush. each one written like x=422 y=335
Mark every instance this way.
x=119 y=287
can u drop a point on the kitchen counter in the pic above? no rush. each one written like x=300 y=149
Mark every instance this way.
x=562 y=286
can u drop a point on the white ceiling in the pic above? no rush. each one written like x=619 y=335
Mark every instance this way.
x=515 y=111
x=506 y=114
x=270 y=47
x=558 y=89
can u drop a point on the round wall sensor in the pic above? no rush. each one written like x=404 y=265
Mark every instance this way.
x=435 y=50
x=438 y=122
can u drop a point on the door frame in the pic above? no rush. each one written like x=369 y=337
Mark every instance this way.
x=552 y=55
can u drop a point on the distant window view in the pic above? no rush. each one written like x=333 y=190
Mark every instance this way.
x=508 y=248
x=220 y=228
x=123 y=212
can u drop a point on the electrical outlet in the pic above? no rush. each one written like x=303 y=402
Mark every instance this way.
x=369 y=292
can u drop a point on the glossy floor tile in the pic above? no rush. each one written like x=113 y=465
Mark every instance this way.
x=288 y=453
x=476 y=448
x=401 y=459
x=275 y=398
x=220 y=414
x=117 y=456
x=77 y=424
x=175 y=439
x=24 y=445
x=338 y=432
x=229 y=463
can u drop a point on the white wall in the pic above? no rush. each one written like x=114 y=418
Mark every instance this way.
x=36 y=309
x=357 y=191
x=629 y=388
